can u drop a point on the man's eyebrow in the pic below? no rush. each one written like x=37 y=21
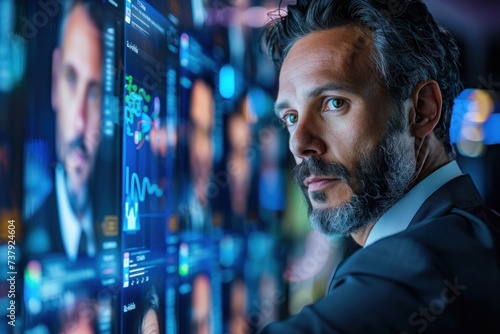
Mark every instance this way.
x=68 y=67
x=95 y=83
x=279 y=106
x=313 y=93
x=331 y=86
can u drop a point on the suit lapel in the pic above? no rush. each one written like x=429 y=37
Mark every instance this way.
x=459 y=193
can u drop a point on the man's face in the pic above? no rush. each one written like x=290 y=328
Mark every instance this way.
x=76 y=99
x=351 y=163
x=201 y=305
x=200 y=154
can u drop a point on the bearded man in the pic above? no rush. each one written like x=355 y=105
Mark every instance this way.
x=366 y=90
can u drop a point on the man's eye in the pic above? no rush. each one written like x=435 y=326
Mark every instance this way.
x=334 y=104
x=290 y=119
x=71 y=78
x=94 y=93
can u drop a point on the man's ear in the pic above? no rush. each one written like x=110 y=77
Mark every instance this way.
x=56 y=64
x=427 y=103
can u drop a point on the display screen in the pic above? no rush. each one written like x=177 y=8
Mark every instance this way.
x=147 y=178
x=139 y=179
x=149 y=251
x=199 y=273
x=71 y=259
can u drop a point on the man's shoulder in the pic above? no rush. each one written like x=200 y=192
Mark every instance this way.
x=46 y=212
x=439 y=247
x=43 y=234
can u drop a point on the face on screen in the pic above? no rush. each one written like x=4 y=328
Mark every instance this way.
x=150 y=324
x=76 y=100
x=200 y=154
x=239 y=139
x=201 y=305
x=238 y=321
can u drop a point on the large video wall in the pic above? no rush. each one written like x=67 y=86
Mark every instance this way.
x=148 y=194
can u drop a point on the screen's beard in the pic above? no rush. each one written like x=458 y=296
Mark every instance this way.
x=78 y=200
x=75 y=180
x=381 y=179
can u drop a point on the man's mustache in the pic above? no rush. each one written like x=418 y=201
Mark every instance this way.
x=317 y=167
x=78 y=144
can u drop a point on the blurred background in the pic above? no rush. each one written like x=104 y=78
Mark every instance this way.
x=189 y=206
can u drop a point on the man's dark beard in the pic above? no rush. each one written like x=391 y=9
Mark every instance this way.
x=382 y=178
x=77 y=145
x=78 y=204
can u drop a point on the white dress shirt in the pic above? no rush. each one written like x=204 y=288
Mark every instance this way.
x=72 y=227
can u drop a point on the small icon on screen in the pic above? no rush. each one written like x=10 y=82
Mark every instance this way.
x=127 y=14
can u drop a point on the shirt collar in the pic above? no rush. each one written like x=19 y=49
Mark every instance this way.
x=71 y=227
x=398 y=217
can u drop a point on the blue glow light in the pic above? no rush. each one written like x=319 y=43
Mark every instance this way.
x=460 y=107
x=491 y=130
x=227 y=81
x=260 y=101
x=473 y=108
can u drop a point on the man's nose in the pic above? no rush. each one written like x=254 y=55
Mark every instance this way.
x=306 y=140
x=81 y=105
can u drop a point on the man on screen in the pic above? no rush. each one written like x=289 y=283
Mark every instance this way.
x=366 y=90
x=76 y=99
x=201 y=305
x=196 y=206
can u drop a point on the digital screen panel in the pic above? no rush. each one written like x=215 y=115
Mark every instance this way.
x=138 y=181
x=200 y=136
x=150 y=115
x=71 y=152
x=265 y=288
x=234 y=287
x=143 y=293
x=150 y=118
x=199 y=287
x=62 y=297
x=199 y=152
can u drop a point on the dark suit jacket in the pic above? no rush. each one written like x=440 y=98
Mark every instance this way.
x=43 y=232
x=43 y=229
x=440 y=275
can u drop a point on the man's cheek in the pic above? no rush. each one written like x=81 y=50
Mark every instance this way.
x=338 y=194
x=93 y=137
